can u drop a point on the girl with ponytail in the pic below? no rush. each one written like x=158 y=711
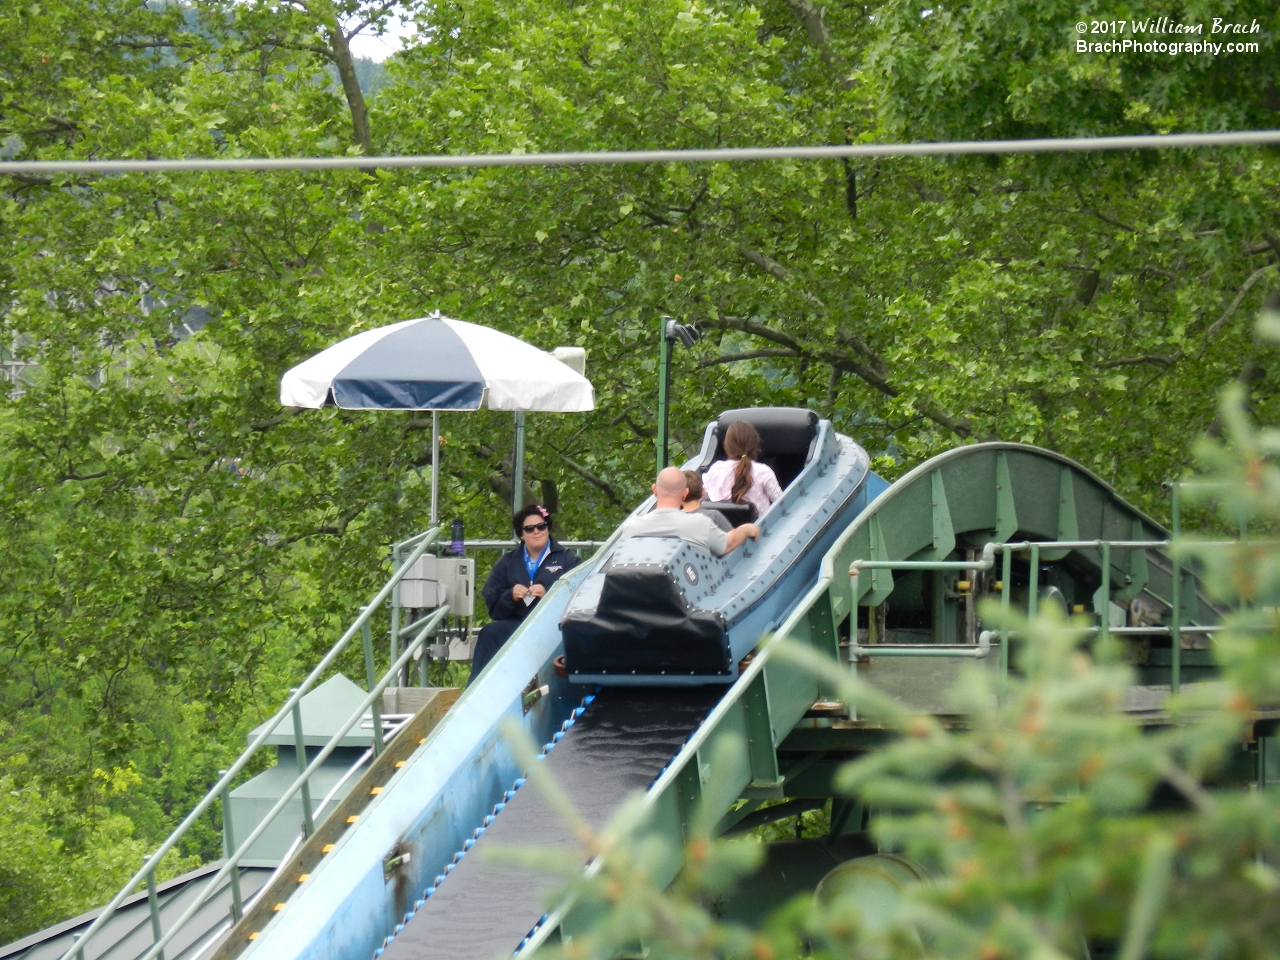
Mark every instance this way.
x=741 y=479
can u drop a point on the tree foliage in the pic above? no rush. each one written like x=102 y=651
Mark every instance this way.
x=177 y=546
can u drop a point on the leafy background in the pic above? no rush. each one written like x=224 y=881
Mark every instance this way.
x=177 y=548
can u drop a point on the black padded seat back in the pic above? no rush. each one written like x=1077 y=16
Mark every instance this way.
x=788 y=436
x=736 y=513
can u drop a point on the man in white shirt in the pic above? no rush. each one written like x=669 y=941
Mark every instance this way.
x=667 y=519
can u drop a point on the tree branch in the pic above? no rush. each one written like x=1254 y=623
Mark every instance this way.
x=645 y=433
x=814 y=20
x=341 y=55
x=340 y=528
x=748 y=355
x=957 y=425
x=767 y=264
x=1235 y=303
x=373 y=18
x=775 y=269
x=262 y=426
x=1085 y=208
x=1155 y=358
x=592 y=479
x=72 y=475
x=1273 y=242
x=150 y=45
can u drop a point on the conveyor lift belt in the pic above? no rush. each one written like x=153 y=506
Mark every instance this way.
x=485 y=908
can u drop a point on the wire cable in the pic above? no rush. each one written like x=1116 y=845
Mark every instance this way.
x=584 y=158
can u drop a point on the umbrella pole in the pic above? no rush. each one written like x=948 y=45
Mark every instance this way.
x=435 y=467
x=517 y=467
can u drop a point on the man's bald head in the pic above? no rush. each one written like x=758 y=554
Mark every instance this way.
x=670 y=487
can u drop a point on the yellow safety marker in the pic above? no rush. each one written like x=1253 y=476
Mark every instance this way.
x=399 y=764
x=277 y=908
x=353 y=819
x=375 y=791
x=304 y=877
x=254 y=935
x=326 y=848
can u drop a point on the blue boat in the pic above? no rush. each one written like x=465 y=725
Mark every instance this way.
x=664 y=612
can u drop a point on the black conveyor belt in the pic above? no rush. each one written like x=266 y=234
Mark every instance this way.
x=618 y=746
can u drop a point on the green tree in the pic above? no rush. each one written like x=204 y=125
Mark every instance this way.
x=177 y=547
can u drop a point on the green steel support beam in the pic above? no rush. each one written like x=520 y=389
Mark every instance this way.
x=944 y=534
x=881 y=581
x=1006 y=524
x=1068 y=526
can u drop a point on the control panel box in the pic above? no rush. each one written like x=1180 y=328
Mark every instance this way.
x=434 y=581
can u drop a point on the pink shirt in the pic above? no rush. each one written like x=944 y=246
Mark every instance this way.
x=717 y=483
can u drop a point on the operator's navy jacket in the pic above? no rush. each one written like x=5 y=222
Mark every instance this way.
x=510 y=570
x=507 y=613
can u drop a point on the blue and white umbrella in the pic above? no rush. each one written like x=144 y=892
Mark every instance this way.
x=435 y=363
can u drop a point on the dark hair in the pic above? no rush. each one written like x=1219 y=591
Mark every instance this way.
x=694 y=483
x=529 y=510
x=741 y=443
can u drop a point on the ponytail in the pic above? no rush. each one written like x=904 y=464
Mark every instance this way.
x=741 y=480
x=742 y=442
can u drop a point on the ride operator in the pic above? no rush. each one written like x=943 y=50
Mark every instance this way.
x=519 y=579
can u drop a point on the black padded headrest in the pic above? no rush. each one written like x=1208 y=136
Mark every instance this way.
x=784 y=431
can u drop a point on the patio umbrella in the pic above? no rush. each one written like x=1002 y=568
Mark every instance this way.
x=435 y=363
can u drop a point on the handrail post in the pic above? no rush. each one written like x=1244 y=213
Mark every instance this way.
x=1104 y=619
x=395 y=607
x=435 y=467
x=228 y=846
x=1006 y=572
x=1033 y=589
x=153 y=904
x=1175 y=597
x=373 y=680
x=300 y=750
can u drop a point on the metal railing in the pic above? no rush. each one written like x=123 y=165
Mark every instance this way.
x=221 y=790
x=1006 y=550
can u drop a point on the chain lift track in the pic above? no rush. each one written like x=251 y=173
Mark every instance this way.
x=618 y=744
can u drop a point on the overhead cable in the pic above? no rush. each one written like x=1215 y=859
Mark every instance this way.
x=582 y=158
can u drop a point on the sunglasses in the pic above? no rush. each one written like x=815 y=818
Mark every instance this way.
x=531 y=527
